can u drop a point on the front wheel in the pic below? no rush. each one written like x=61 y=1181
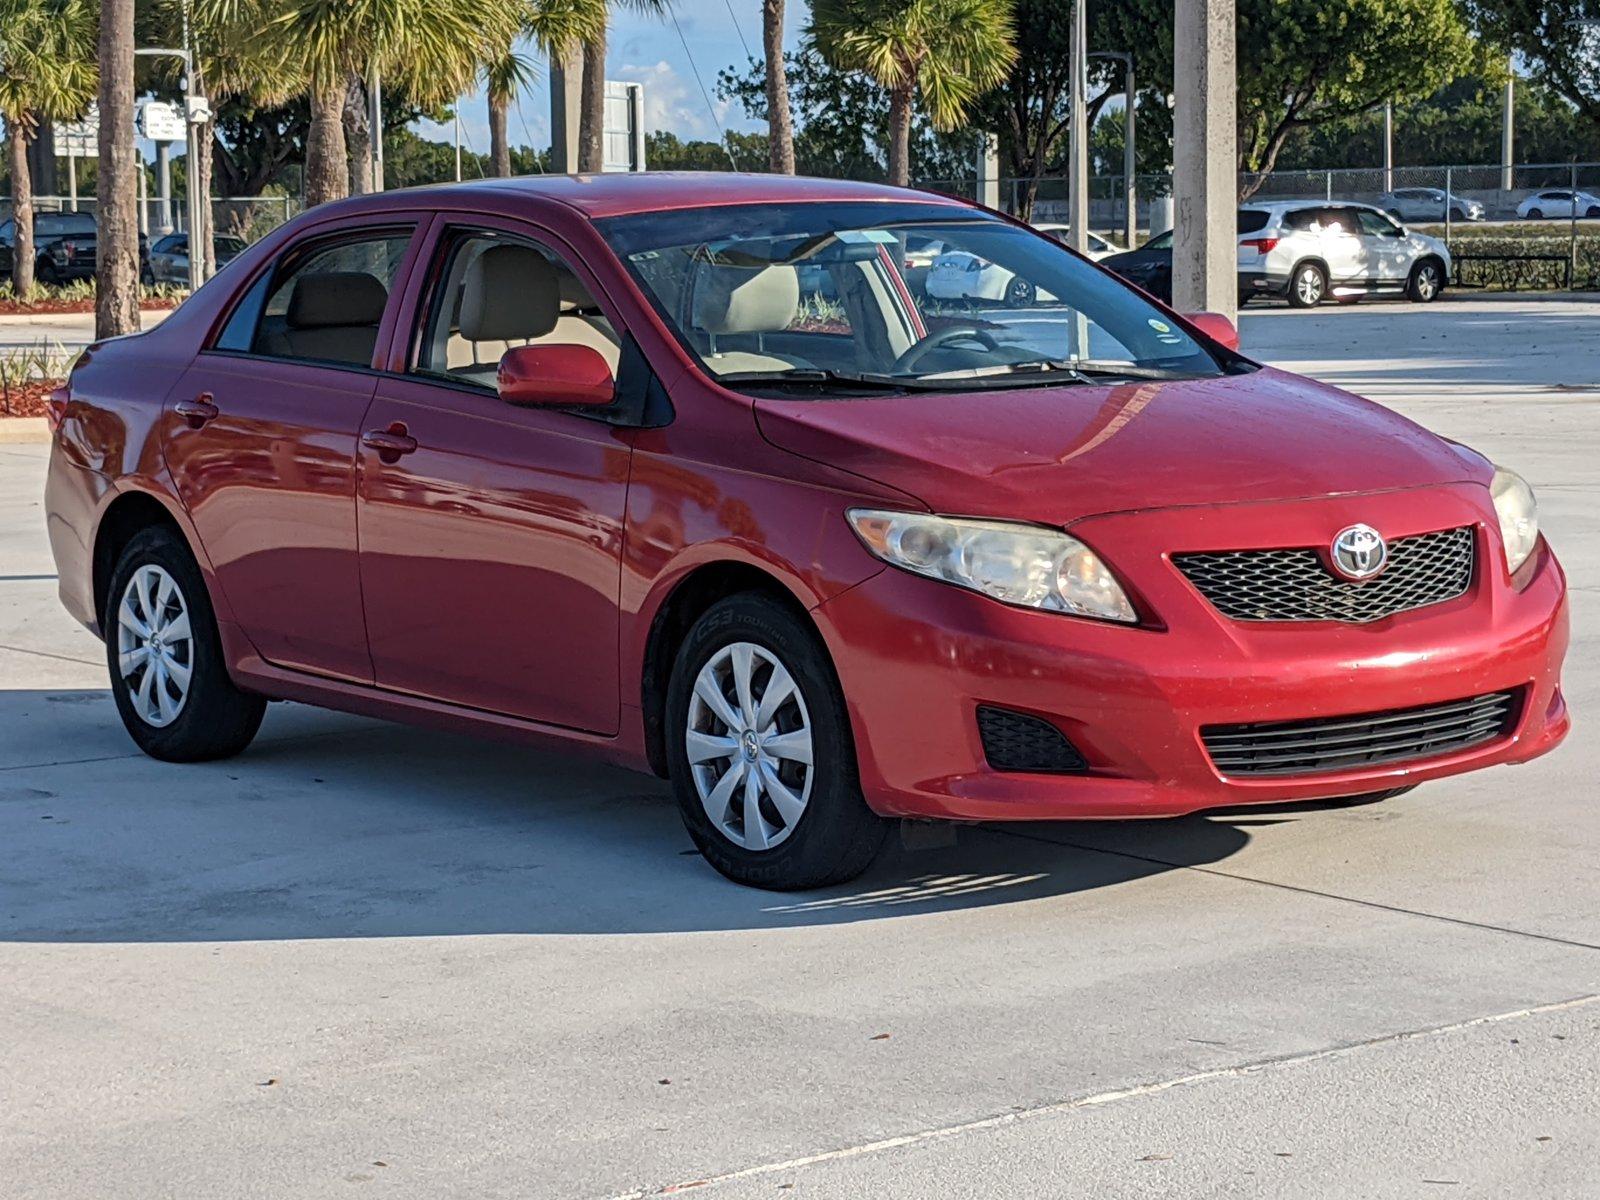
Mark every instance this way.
x=762 y=761
x=1426 y=282
x=1536 y=214
x=1591 y=212
x=1308 y=286
x=1019 y=293
x=167 y=672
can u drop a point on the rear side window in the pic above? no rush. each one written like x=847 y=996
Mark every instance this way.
x=323 y=304
x=1302 y=219
x=1252 y=219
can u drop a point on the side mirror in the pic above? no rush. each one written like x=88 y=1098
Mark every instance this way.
x=1216 y=327
x=559 y=376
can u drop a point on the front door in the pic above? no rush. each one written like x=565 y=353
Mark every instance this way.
x=491 y=535
x=1343 y=248
x=260 y=439
x=1388 y=255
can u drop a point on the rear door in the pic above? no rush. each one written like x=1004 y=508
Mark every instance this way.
x=491 y=541
x=260 y=438
x=1343 y=248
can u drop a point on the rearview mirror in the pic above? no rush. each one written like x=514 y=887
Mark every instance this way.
x=560 y=376
x=1216 y=327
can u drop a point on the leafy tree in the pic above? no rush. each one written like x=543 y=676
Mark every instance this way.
x=1304 y=63
x=844 y=121
x=948 y=52
x=1557 y=40
x=47 y=72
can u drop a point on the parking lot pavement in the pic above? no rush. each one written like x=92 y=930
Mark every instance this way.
x=361 y=956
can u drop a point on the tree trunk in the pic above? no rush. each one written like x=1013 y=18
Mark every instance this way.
x=205 y=151
x=116 y=301
x=592 y=114
x=357 y=135
x=499 y=147
x=327 y=173
x=900 y=136
x=780 y=126
x=21 y=208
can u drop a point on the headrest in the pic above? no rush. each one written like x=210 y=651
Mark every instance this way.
x=327 y=298
x=747 y=299
x=509 y=292
x=573 y=294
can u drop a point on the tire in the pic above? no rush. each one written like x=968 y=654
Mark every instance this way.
x=1591 y=212
x=1307 y=286
x=146 y=277
x=46 y=273
x=1536 y=214
x=1019 y=293
x=1426 y=282
x=211 y=718
x=831 y=835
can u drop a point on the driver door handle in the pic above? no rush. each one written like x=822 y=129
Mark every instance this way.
x=390 y=443
x=197 y=411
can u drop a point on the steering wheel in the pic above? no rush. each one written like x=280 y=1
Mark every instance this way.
x=941 y=337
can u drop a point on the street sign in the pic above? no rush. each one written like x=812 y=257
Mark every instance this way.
x=79 y=139
x=160 y=122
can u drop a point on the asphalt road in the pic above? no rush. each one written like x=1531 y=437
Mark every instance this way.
x=366 y=960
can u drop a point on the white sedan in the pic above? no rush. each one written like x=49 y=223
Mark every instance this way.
x=1098 y=246
x=960 y=275
x=1559 y=202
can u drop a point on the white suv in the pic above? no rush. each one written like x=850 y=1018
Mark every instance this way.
x=1312 y=250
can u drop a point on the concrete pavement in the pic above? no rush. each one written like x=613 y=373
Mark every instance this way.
x=361 y=958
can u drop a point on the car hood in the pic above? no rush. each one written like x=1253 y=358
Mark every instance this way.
x=1054 y=455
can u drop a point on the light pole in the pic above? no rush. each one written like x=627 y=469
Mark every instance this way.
x=1078 y=134
x=1130 y=218
x=195 y=116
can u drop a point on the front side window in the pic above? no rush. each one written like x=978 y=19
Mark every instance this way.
x=844 y=293
x=324 y=305
x=1376 y=224
x=498 y=291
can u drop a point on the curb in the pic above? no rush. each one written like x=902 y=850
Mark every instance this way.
x=24 y=431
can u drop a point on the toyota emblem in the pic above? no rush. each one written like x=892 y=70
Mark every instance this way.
x=1359 y=552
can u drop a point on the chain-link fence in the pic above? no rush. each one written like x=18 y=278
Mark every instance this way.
x=247 y=217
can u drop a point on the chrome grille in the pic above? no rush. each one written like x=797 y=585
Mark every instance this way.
x=1350 y=743
x=1297 y=585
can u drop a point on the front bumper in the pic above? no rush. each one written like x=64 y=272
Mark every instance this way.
x=917 y=657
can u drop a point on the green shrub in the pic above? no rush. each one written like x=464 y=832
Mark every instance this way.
x=1531 y=255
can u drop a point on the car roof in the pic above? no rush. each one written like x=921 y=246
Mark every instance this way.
x=616 y=194
x=1287 y=206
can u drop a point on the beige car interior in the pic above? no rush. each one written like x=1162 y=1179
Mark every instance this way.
x=502 y=294
x=332 y=316
x=729 y=301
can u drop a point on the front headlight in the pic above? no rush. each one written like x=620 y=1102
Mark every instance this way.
x=1013 y=563
x=1519 y=515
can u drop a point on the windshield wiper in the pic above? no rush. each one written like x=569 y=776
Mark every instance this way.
x=1088 y=370
x=815 y=375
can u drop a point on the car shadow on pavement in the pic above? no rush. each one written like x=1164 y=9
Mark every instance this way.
x=331 y=826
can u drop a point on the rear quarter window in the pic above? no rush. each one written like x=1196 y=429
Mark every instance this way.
x=1252 y=219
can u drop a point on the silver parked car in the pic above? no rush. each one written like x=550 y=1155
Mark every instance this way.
x=1559 y=202
x=169 y=256
x=1429 y=204
x=1310 y=250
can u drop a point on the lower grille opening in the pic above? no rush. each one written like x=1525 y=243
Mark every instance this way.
x=1363 y=740
x=1014 y=741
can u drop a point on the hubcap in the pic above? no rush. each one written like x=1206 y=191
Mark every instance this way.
x=1426 y=282
x=1310 y=287
x=749 y=746
x=155 y=648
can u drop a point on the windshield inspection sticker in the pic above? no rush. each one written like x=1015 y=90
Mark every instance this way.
x=1159 y=326
x=1164 y=332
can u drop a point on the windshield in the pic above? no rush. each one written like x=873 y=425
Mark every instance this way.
x=901 y=295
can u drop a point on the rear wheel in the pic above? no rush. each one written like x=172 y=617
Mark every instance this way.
x=1307 y=286
x=1536 y=214
x=1019 y=293
x=1592 y=211
x=167 y=673
x=760 y=753
x=1426 y=282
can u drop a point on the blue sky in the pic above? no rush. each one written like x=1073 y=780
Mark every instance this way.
x=648 y=50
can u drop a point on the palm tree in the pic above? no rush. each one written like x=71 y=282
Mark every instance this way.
x=431 y=48
x=555 y=27
x=592 y=105
x=949 y=52
x=116 y=274
x=780 y=126
x=47 y=72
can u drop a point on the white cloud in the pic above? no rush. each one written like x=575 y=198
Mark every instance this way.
x=674 y=103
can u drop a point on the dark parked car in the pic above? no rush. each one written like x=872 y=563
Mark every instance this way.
x=1150 y=266
x=169 y=257
x=64 y=246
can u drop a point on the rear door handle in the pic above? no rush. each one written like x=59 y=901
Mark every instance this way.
x=390 y=443
x=197 y=411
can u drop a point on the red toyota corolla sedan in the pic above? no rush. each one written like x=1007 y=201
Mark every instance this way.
x=690 y=471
